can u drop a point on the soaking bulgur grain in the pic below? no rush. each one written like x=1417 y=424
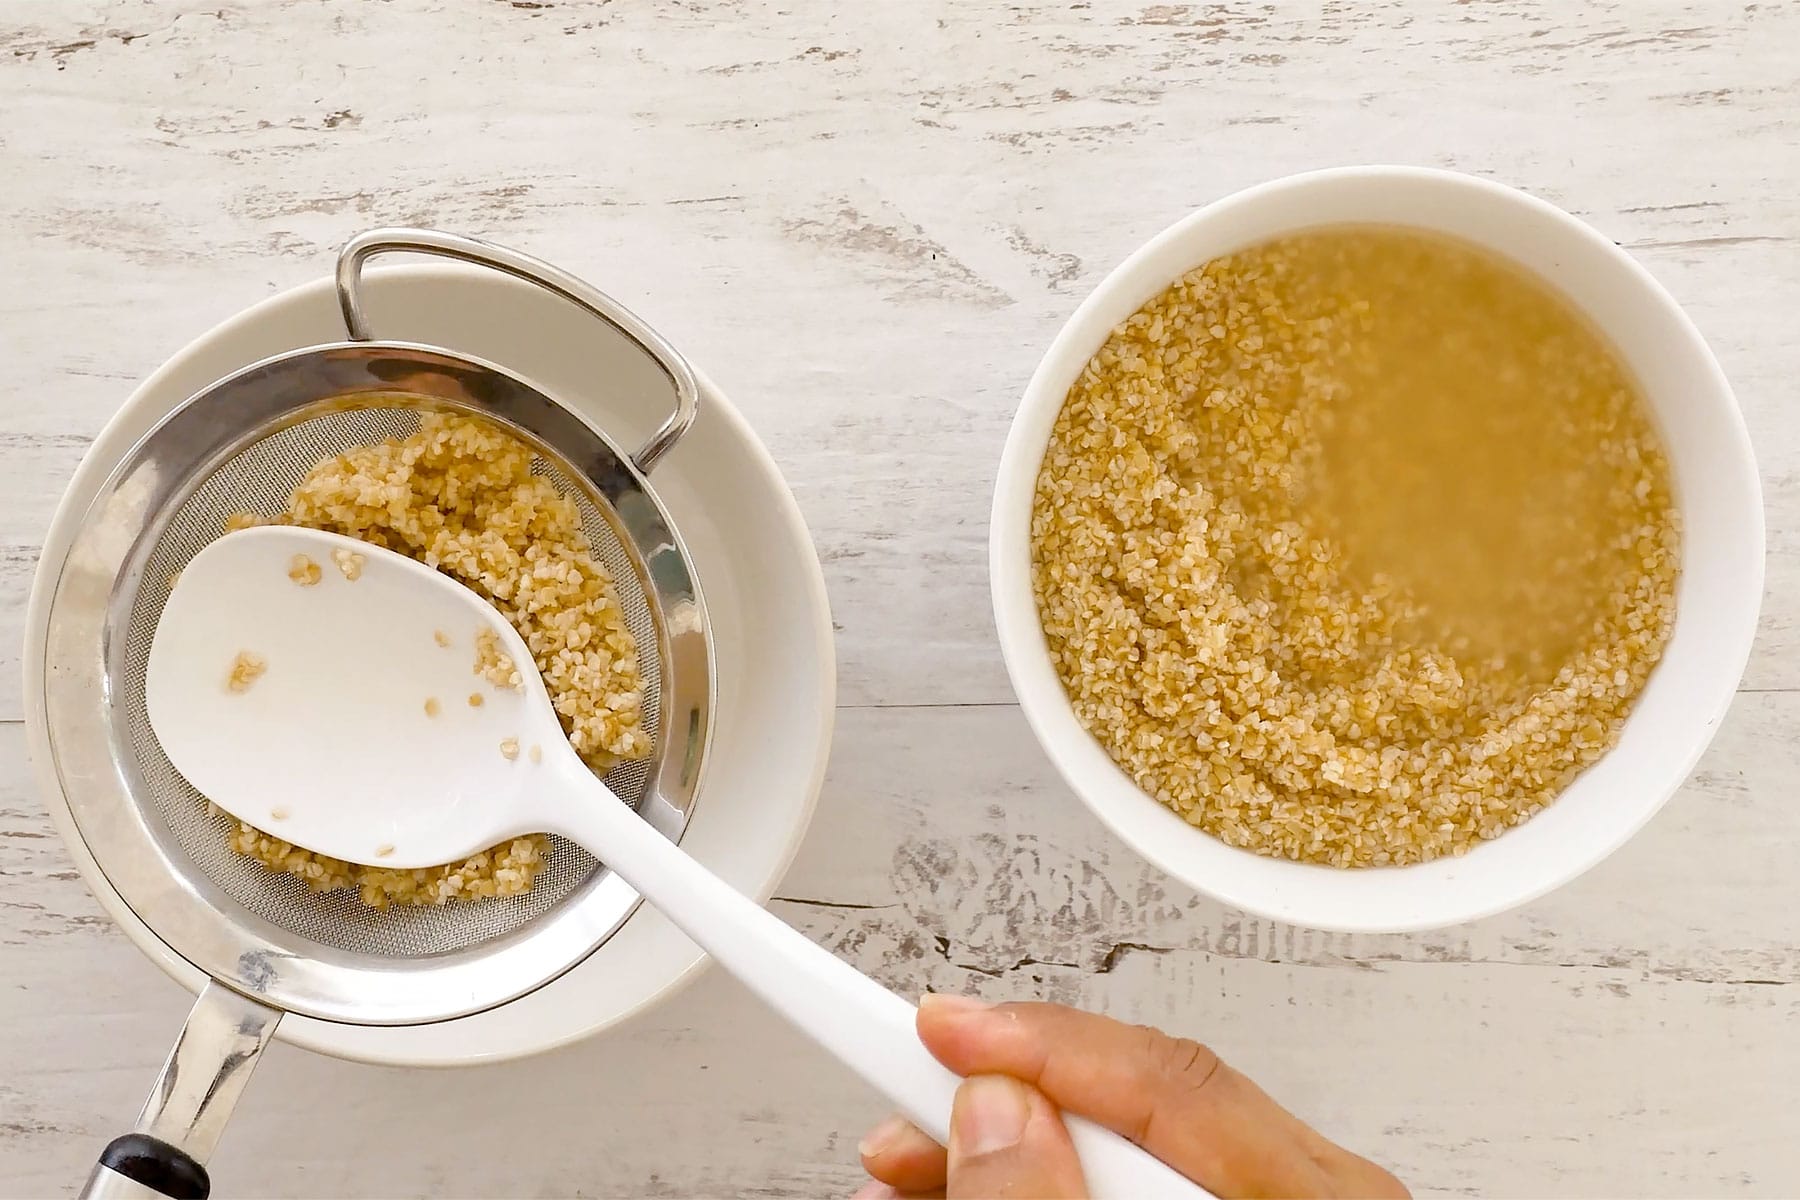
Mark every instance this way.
x=246 y=669
x=1223 y=504
x=459 y=496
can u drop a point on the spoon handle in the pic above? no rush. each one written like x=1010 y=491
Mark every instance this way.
x=868 y=1028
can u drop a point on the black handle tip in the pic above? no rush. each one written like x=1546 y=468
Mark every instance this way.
x=158 y=1166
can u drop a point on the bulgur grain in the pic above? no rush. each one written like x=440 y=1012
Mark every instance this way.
x=246 y=669
x=304 y=571
x=349 y=562
x=432 y=708
x=509 y=748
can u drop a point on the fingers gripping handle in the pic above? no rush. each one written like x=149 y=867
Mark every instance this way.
x=884 y=1048
x=864 y=1025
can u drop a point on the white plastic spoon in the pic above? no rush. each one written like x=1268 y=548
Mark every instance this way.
x=345 y=727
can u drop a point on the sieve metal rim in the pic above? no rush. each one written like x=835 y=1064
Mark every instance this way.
x=78 y=661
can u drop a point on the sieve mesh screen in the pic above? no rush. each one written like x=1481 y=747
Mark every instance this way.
x=259 y=478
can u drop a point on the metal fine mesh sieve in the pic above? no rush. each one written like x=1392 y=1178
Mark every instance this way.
x=258 y=479
x=242 y=445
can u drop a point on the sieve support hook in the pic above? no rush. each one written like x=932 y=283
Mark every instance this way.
x=358 y=250
x=165 y=1155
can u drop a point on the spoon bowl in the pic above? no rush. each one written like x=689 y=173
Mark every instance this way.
x=329 y=692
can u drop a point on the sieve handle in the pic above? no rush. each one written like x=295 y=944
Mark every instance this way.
x=868 y=1028
x=165 y=1156
x=358 y=250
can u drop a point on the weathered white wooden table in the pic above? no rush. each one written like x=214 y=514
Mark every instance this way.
x=865 y=221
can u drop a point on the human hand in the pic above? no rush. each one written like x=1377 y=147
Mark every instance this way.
x=1023 y=1063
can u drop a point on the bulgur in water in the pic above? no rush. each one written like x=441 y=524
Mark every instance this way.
x=1354 y=547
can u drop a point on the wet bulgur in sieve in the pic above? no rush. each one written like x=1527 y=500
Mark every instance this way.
x=460 y=496
x=1354 y=547
x=494 y=664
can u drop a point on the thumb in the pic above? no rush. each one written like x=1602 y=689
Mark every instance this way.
x=1007 y=1140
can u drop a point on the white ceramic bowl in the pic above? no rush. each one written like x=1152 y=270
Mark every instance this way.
x=1717 y=598
x=764 y=591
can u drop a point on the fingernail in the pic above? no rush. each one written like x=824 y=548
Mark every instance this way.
x=880 y=1138
x=951 y=1005
x=991 y=1115
x=875 y=1190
